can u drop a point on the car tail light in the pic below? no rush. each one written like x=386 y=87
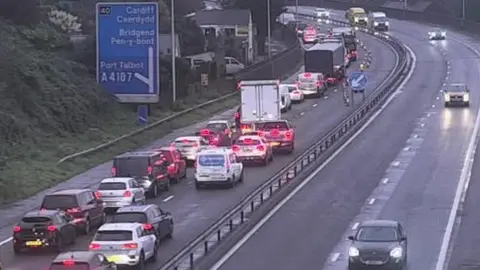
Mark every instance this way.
x=148 y=226
x=235 y=148
x=94 y=246
x=307 y=75
x=127 y=194
x=150 y=170
x=172 y=168
x=227 y=131
x=74 y=210
x=239 y=86
x=114 y=171
x=248 y=141
x=17 y=229
x=69 y=262
x=237 y=115
x=195 y=145
x=260 y=148
x=98 y=195
x=289 y=135
x=130 y=246
x=52 y=228
x=319 y=84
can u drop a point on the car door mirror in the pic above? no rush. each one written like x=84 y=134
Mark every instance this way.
x=69 y=218
x=351 y=237
x=404 y=238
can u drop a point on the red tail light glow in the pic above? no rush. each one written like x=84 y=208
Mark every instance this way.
x=114 y=171
x=205 y=132
x=127 y=194
x=172 y=168
x=51 y=228
x=235 y=148
x=74 y=210
x=148 y=226
x=297 y=92
x=69 y=262
x=260 y=148
x=248 y=141
x=94 y=246
x=17 y=229
x=130 y=246
x=98 y=195
x=289 y=135
x=227 y=131
x=237 y=115
x=307 y=75
x=185 y=141
x=150 y=170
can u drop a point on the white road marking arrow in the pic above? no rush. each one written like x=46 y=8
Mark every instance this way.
x=149 y=80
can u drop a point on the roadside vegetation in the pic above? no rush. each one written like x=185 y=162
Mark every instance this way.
x=51 y=106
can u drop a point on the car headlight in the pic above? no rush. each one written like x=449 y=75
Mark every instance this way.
x=396 y=253
x=366 y=19
x=446 y=96
x=387 y=23
x=375 y=23
x=466 y=97
x=444 y=34
x=353 y=252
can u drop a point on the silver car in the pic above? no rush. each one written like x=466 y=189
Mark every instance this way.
x=189 y=146
x=117 y=192
x=125 y=244
x=437 y=34
x=457 y=94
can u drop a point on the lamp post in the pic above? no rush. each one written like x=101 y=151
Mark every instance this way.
x=463 y=10
x=174 y=52
x=269 y=30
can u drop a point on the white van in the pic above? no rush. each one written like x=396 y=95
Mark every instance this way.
x=217 y=166
x=285 y=99
x=378 y=21
x=312 y=84
x=232 y=65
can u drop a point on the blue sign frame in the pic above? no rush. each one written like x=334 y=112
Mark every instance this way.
x=128 y=50
x=361 y=84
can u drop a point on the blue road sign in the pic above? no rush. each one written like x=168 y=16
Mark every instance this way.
x=357 y=82
x=142 y=118
x=127 y=50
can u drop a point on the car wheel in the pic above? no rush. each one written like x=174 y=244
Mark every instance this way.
x=198 y=186
x=166 y=186
x=87 y=227
x=154 y=191
x=265 y=161
x=74 y=237
x=170 y=234
x=241 y=177
x=447 y=104
x=17 y=251
x=59 y=246
x=233 y=182
x=103 y=219
x=155 y=254
x=141 y=262
x=184 y=176
x=467 y=104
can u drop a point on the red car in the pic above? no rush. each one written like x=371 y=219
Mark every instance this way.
x=175 y=162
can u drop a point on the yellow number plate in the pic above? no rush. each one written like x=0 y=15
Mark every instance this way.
x=33 y=243
x=274 y=143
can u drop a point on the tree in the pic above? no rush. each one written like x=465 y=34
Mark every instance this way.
x=258 y=8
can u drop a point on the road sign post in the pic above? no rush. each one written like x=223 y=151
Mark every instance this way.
x=358 y=82
x=142 y=118
x=127 y=50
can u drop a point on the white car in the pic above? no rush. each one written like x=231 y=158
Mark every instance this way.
x=285 y=99
x=126 y=244
x=189 y=146
x=253 y=148
x=457 y=94
x=437 y=34
x=217 y=166
x=322 y=14
x=117 y=192
x=295 y=94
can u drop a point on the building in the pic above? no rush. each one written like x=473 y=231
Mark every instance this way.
x=229 y=22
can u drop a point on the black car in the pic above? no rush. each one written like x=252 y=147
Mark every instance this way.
x=143 y=166
x=44 y=229
x=82 y=204
x=151 y=215
x=378 y=244
x=81 y=260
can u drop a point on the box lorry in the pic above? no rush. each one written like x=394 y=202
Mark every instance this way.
x=327 y=58
x=260 y=101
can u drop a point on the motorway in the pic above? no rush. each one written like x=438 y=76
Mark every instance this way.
x=405 y=166
x=194 y=210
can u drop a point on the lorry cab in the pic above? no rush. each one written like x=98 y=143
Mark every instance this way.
x=357 y=16
x=312 y=84
x=310 y=35
x=350 y=40
x=378 y=21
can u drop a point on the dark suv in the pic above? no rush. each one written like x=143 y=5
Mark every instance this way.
x=81 y=204
x=143 y=166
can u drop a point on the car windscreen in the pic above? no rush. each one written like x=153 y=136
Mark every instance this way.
x=130 y=217
x=112 y=186
x=381 y=19
x=185 y=143
x=216 y=126
x=273 y=125
x=69 y=266
x=53 y=202
x=36 y=219
x=117 y=235
x=131 y=166
x=307 y=80
x=377 y=234
x=291 y=88
x=211 y=160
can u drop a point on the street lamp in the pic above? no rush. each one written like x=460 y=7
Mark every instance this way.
x=174 y=52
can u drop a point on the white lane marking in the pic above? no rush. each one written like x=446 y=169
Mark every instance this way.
x=386 y=180
x=372 y=201
x=168 y=198
x=422 y=125
x=310 y=177
x=396 y=163
x=355 y=226
x=315 y=105
x=462 y=187
x=302 y=113
x=406 y=149
x=335 y=257
x=6 y=241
